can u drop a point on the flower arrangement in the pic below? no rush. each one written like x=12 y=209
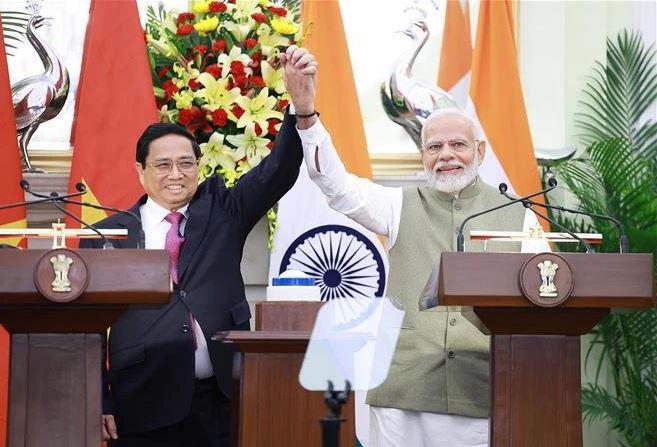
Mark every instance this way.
x=216 y=71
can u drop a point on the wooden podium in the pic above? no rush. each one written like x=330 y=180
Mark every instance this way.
x=55 y=373
x=270 y=408
x=535 y=349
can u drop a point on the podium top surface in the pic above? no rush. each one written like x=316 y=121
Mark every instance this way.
x=606 y=280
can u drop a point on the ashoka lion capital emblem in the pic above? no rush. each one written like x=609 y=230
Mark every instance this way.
x=61 y=265
x=548 y=270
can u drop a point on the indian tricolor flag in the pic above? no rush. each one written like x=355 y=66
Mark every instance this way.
x=343 y=257
x=115 y=103
x=486 y=83
x=10 y=192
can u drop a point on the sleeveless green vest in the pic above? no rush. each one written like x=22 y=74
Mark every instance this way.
x=440 y=363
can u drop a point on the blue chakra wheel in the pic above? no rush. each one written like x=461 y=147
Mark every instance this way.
x=342 y=260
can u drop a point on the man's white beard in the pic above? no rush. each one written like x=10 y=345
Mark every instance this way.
x=453 y=183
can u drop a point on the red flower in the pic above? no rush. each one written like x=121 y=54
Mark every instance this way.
x=219 y=117
x=231 y=1
x=251 y=42
x=163 y=70
x=237 y=68
x=241 y=80
x=194 y=119
x=258 y=129
x=270 y=145
x=184 y=30
x=217 y=7
x=169 y=88
x=194 y=84
x=257 y=81
x=184 y=16
x=271 y=129
x=237 y=110
x=259 y=17
x=185 y=116
x=282 y=103
x=218 y=46
x=202 y=49
x=282 y=12
x=214 y=70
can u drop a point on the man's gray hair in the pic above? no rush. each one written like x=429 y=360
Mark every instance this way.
x=452 y=111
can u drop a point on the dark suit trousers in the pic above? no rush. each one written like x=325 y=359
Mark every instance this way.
x=207 y=424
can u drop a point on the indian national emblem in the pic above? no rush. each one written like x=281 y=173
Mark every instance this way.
x=548 y=270
x=61 y=265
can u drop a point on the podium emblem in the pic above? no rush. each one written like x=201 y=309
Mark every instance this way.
x=547 y=270
x=61 y=265
x=61 y=275
x=546 y=279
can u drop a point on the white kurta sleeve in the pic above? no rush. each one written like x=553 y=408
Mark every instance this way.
x=377 y=208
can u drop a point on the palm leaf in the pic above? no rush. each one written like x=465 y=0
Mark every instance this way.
x=617 y=175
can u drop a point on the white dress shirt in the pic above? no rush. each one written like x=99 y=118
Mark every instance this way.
x=379 y=208
x=155 y=232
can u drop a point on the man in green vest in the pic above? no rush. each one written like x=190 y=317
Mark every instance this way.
x=437 y=390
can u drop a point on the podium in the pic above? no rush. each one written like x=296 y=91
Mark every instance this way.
x=55 y=390
x=535 y=348
x=270 y=408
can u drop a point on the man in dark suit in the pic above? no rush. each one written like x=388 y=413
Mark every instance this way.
x=168 y=384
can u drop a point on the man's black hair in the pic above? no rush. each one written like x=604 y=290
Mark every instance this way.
x=158 y=130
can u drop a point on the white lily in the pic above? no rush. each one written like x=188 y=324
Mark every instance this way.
x=269 y=40
x=273 y=77
x=249 y=145
x=257 y=110
x=216 y=153
x=234 y=55
x=215 y=93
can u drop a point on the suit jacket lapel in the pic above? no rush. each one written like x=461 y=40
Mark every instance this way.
x=199 y=211
x=131 y=224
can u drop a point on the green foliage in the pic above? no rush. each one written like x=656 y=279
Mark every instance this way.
x=617 y=175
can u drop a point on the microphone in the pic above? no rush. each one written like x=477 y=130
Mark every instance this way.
x=459 y=239
x=54 y=198
x=82 y=189
x=24 y=184
x=528 y=204
x=623 y=242
x=141 y=243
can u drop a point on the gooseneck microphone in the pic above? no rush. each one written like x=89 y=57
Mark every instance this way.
x=141 y=243
x=459 y=238
x=54 y=198
x=622 y=236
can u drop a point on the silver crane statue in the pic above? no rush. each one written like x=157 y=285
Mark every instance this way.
x=407 y=101
x=41 y=97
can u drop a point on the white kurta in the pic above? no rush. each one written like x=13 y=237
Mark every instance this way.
x=378 y=208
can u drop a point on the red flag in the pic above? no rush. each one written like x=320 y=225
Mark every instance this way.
x=10 y=192
x=115 y=103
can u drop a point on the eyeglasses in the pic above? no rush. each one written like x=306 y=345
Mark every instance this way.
x=459 y=146
x=164 y=167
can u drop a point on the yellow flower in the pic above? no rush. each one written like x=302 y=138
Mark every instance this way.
x=207 y=25
x=284 y=26
x=249 y=145
x=184 y=99
x=215 y=93
x=257 y=110
x=200 y=7
x=166 y=115
x=273 y=78
x=264 y=3
x=216 y=153
x=268 y=40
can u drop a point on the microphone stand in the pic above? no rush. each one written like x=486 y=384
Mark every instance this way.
x=460 y=240
x=623 y=242
x=54 y=198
